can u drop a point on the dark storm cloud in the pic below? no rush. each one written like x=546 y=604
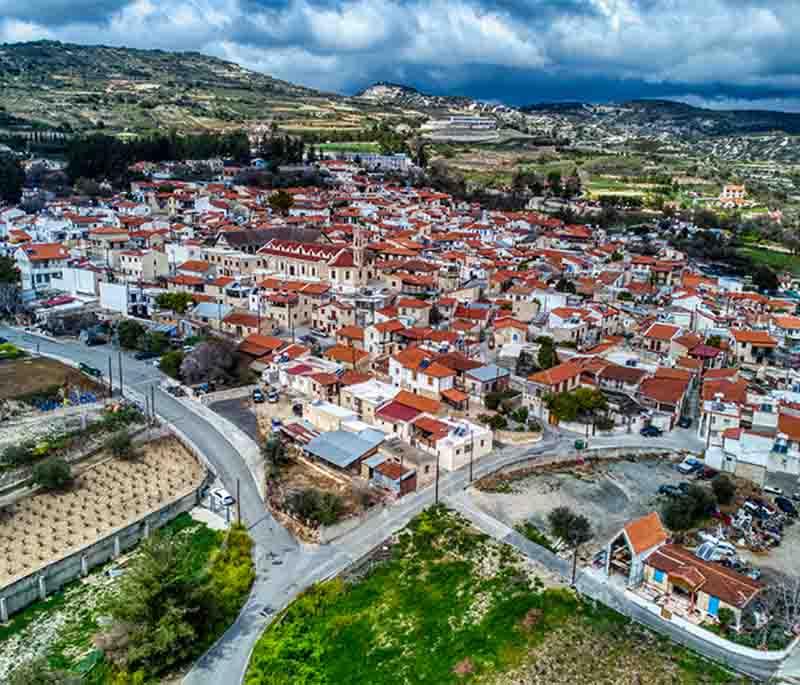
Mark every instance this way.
x=512 y=50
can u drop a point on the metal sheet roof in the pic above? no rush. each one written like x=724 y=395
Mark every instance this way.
x=342 y=448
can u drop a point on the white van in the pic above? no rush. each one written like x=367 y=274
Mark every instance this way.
x=221 y=498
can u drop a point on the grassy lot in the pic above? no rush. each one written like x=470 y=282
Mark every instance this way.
x=778 y=261
x=62 y=627
x=349 y=147
x=453 y=606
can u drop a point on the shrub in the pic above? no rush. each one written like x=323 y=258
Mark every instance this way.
x=520 y=415
x=685 y=512
x=726 y=618
x=53 y=474
x=17 y=455
x=9 y=351
x=535 y=425
x=724 y=489
x=120 y=445
x=321 y=508
x=171 y=362
x=498 y=422
x=605 y=424
x=493 y=400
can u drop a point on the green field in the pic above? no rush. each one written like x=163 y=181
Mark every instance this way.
x=349 y=147
x=453 y=606
x=778 y=261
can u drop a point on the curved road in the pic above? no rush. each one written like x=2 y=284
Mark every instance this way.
x=285 y=568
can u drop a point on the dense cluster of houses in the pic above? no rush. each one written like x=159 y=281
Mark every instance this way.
x=436 y=299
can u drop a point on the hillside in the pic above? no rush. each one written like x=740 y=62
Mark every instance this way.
x=406 y=96
x=52 y=85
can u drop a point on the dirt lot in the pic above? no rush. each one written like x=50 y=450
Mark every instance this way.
x=41 y=529
x=26 y=376
x=609 y=495
x=255 y=419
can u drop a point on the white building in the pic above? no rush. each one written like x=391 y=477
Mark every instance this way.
x=38 y=264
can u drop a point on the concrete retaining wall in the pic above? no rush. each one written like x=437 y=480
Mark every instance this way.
x=330 y=533
x=232 y=394
x=44 y=582
x=537 y=461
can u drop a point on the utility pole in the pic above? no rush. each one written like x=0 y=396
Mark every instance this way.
x=238 y=502
x=110 y=379
x=574 y=565
x=436 y=496
x=153 y=401
x=471 y=451
x=121 y=390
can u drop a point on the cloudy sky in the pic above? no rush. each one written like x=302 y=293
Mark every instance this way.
x=719 y=53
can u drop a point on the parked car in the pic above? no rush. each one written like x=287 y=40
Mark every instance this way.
x=685 y=422
x=297 y=409
x=222 y=498
x=90 y=370
x=258 y=396
x=773 y=490
x=670 y=490
x=651 y=432
x=689 y=465
x=786 y=506
x=273 y=396
x=142 y=355
x=707 y=473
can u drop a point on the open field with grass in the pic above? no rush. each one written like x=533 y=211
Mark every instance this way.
x=453 y=606
x=778 y=261
x=349 y=147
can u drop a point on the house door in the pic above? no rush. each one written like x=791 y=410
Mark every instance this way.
x=713 y=605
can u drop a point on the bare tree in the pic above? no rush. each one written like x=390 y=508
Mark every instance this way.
x=209 y=361
x=779 y=607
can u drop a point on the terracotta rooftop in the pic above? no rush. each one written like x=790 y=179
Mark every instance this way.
x=646 y=532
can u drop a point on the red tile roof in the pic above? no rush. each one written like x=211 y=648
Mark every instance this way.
x=646 y=532
x=713 y=579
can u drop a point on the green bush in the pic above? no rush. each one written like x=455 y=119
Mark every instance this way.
x=686 y=512
x=17 y=455
x=726 y=618
x=177 y=596
x=493 y=400
x=535 y=535
x=121 y=445
x=53 y=474
x=171 y=362
x=322 y=508
x=520 y=415
x=604 y=423
x=724 y=489
x=9 y=351
x=498 y=422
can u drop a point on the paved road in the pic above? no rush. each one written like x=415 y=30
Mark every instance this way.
x=283 y=567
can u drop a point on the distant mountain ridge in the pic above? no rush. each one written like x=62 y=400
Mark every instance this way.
x=61 y=87
x=655 y=116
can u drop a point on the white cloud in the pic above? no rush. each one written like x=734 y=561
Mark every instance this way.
x=338 y=45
